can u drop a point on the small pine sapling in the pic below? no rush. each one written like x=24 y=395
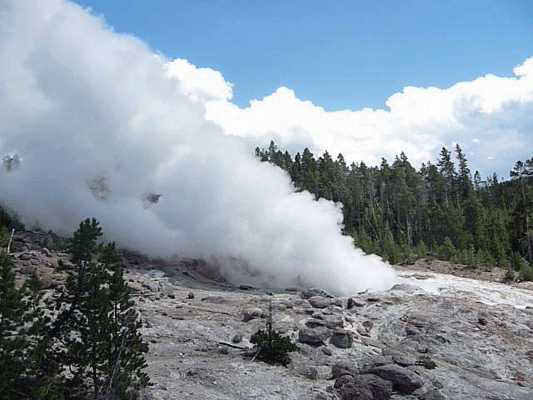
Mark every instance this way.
x=270 y=346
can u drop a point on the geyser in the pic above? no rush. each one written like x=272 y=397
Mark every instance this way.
x=100 y=130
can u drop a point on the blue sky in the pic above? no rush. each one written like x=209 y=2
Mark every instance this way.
x=338 y=54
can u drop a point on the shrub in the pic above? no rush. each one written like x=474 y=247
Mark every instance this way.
x=270 y=346
x=526 y=273
x=273 y=347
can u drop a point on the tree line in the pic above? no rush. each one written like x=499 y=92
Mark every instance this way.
x=440 y=210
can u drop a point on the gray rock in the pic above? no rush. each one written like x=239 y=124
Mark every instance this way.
x=315 y=322
x=342 y=339
x=404 y=360
x=308 y=372
x=308 y=293
x=371 y=342
x=315 y=336
x=237 y=338
x=319 y=302
x=344 y=368
x=402 y=379
x=327 y=351
x=251 y=313
x=360 y=387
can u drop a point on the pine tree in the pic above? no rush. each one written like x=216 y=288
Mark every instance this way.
x=98 y=326
x=13 y=343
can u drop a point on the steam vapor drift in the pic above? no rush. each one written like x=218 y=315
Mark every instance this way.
x=91 y=124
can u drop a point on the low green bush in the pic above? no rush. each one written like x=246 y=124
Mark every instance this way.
x=272 y=347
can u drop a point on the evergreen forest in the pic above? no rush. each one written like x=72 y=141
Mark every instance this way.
x=440 y=211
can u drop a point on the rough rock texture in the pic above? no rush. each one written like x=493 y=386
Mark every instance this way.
x=452 y=342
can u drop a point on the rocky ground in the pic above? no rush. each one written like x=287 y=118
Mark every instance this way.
x=432 y=336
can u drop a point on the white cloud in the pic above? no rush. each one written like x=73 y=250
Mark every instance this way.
x=82 y=104
x=489 y=116
x=199 y=83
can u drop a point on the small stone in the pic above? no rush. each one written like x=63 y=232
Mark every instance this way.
x=237 y=338
x=327 y=351
x=190 y=295
x=368 y=325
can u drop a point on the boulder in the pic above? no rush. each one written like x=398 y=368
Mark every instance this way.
x=314 y=336
x=360 y=387
x=308 y=293
x=402 y=379
x=341 y=338
x=251 y=313
x=319 y=302
x=344 y=368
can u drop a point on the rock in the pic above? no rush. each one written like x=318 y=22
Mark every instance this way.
x=46 y=252
x=327 y=351
x=363 y=387
x=367 y=325
x=26 y=256
x=349 y=390
x=319 y=302
x=334 y=321
x=404 y=360
x=372 y=298
x=430 y=394
x=190 y=295
x=402 y=379
x=315 y=336
x=344 y=368
x=404 y=288
x=350 y=304
x=214 y=299
x=362 y=331
x=27 y=269
x=308 y=372
x=371 y=342
x=308 y=293
x=237 y=338
x=251 y=313
x=355 y=303
x=426 y=362
x=342 y=339
x=314 y=323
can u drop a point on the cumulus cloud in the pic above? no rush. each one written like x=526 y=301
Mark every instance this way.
x=204 y=84
x=490 y=117
x=102 y=124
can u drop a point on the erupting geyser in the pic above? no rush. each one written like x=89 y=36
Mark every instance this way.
x=101 y=130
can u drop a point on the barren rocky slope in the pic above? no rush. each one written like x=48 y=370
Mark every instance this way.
x=431 y=336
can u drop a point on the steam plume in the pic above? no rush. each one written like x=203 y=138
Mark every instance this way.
x=94 y=126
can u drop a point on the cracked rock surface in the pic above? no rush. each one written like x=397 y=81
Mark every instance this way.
x=430 y=337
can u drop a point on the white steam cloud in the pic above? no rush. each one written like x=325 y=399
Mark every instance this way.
x=101 y=124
